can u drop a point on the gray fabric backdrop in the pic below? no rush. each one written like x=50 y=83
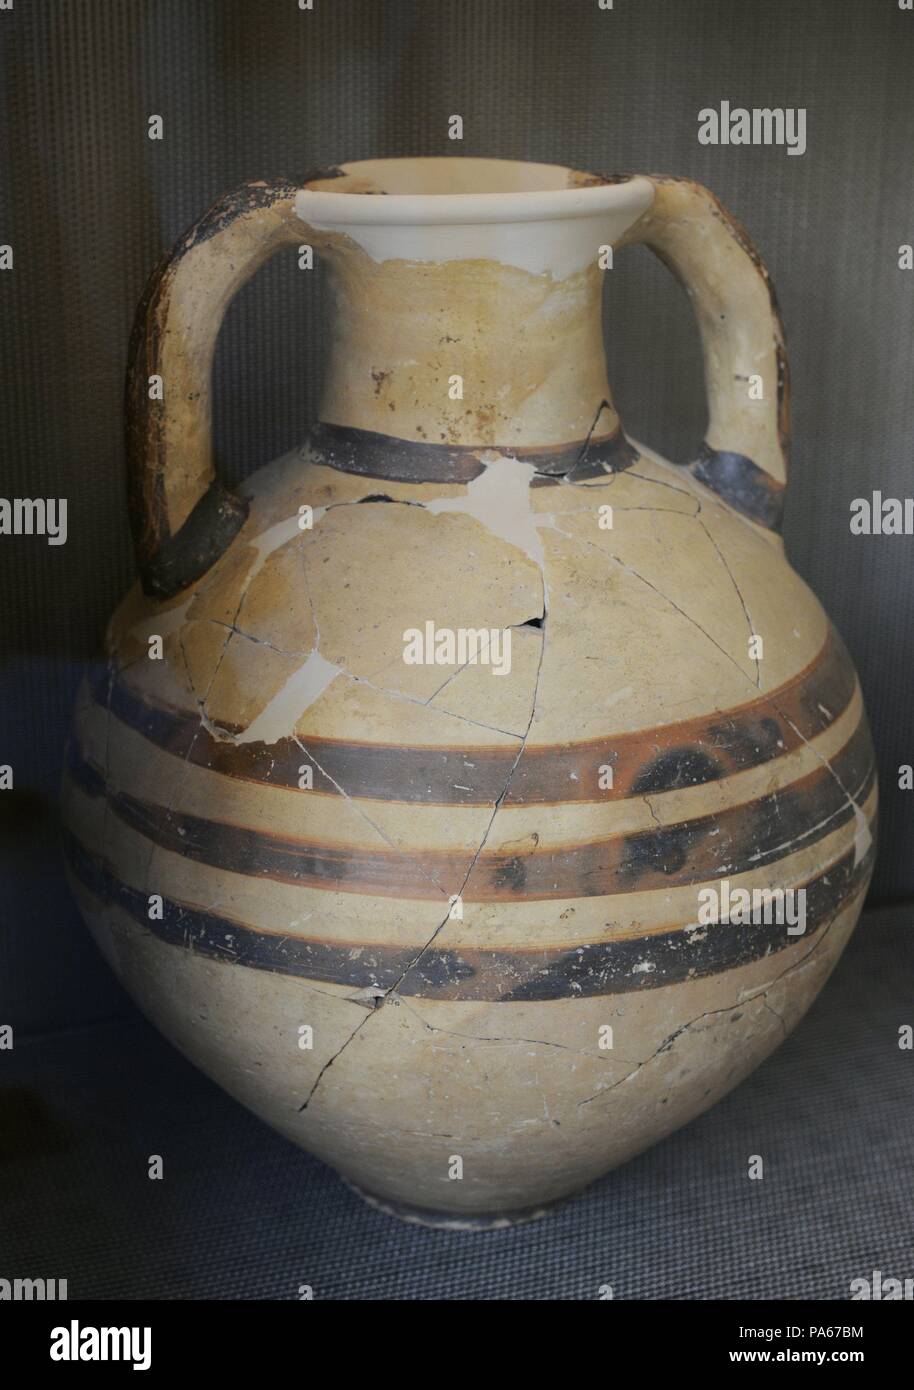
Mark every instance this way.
x=247 y=90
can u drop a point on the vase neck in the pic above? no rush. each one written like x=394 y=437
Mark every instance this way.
x=464 y=320
x=469 y=353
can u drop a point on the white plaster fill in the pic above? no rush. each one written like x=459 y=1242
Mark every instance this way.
x=553 y=230
x=278 y=718
x=499 y=499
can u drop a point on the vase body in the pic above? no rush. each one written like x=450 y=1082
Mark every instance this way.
x=399 y=819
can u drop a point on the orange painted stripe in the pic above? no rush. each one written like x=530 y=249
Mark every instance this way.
x=664 y=758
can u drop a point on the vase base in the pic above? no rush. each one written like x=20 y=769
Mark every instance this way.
x=453 y=1221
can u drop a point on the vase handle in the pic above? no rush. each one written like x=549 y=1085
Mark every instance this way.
x=743 y=457
x=182 y=518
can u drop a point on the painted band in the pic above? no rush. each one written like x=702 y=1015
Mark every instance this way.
x=384 y=456
x=742 y=485
x=664 y=758
x=731 y=841
x=206 y=534
x=607 y=967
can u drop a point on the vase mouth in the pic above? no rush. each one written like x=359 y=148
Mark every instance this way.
x=463 y=189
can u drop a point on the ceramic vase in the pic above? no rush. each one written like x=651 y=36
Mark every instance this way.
x=474 y=794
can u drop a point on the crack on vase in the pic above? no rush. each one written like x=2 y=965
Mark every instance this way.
x=739 y=594
x=757 y=995
x=385 y=996
x=485 y=1037
x=607 y=556
x=402 y=854
x=863 y=836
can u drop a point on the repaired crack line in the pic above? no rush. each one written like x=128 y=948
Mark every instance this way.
x=499 y=800
x=629 y=569
x=205 y=723
x=383 y=996
x=424 y=704
x=760 y=994
x=481 y=1037
x=739 y=595
x=329 y=1063
x=863 y=824
x=658 y=482
x=365 y=817
x=259 y=641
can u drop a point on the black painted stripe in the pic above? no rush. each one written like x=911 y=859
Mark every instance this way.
x=81 y=772
x=207 y=533
x=225 y=938
x=663 y=758
x=732 y=841
x=373 y=455
x=619 y=966
x=612 y=453
x=742 y=484
x=667 y=958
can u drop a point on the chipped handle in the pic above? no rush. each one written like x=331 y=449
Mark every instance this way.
x=744 y=455
x=181 y=516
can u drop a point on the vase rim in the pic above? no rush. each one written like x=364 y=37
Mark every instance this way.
x=465 y=189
